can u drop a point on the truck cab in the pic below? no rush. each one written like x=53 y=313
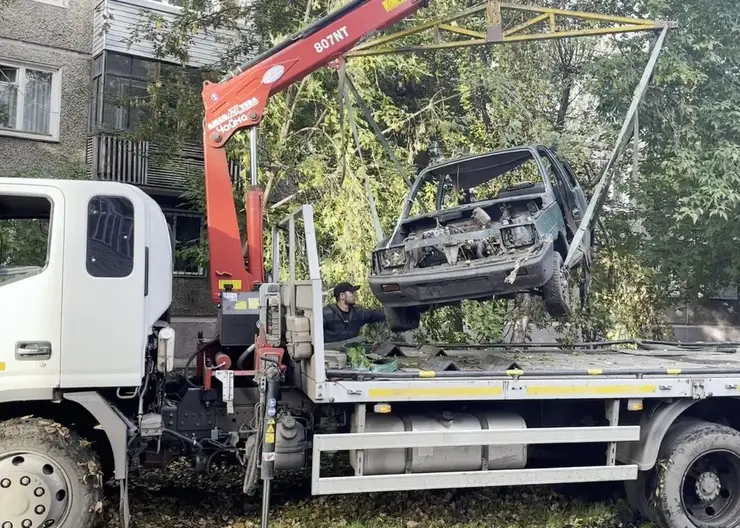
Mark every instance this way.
x=96 y=259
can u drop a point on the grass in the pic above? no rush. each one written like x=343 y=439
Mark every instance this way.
x=177 y=497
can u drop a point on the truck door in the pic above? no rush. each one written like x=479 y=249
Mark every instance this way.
x=31 y=250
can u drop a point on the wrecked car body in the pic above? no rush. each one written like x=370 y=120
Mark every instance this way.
x=496 y=224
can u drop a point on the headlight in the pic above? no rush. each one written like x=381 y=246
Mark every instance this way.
x=393 y=258
x=518 y=236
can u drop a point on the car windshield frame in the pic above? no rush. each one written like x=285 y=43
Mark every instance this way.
x=517 y=155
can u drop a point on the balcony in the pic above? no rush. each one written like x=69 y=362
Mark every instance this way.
x=114 y=158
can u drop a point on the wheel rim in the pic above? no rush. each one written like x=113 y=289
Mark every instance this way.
x=34 y=491
x=710 y=490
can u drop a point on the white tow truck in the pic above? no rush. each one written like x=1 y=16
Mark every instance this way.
x=88 y=384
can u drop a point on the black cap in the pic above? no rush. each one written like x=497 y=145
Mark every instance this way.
x=344 y=287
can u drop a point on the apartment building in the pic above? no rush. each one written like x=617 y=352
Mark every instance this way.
x=66 y=66
x=45 y=51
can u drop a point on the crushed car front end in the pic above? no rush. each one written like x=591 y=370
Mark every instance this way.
x=448 y=264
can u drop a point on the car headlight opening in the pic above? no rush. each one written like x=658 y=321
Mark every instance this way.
x=518 y=236
x=393 y=258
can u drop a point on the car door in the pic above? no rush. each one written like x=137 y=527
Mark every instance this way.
x=560 y=190
x=580 y=201
x=576 y=197
x=31 y=252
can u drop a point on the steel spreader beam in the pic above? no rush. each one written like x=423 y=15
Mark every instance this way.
x=628 y=127
x=451 y=24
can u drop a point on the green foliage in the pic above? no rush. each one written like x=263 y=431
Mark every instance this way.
x=23 y=242
x=688 y=190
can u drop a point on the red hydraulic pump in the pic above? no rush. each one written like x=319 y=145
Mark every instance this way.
x=238 y=102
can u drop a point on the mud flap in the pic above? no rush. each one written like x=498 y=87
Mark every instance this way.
x=124 y=513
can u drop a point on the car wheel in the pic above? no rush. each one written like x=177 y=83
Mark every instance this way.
x=402 y=319
x=49 y=476
x=556 y=292
x=699 y=482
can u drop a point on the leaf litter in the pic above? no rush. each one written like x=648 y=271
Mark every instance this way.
x=178 y=497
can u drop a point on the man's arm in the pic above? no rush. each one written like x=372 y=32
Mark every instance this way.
x=371 y=316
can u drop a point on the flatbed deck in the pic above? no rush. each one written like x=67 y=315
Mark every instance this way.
x=617 y=369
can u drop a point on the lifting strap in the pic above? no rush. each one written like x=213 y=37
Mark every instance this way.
x=378 y=133
x=344 y=101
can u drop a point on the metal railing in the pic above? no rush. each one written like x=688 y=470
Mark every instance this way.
x=117 y=158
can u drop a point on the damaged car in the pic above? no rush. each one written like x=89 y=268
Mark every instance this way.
x=483 y=226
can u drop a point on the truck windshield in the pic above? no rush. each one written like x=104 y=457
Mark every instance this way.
x=476 y=179
x=24 y=235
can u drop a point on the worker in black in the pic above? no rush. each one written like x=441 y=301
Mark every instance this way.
x=344 y=319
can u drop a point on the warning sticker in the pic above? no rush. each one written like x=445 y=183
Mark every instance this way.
x=234 y=283
x=270 y=438
x=270 y=428
x=390 y=5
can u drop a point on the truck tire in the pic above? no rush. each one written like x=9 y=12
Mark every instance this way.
x=49 y=476
x=402 y=319
x=556 y=292
x=638 y=493
x=698 y=482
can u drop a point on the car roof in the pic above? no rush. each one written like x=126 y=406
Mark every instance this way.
x=474 y=169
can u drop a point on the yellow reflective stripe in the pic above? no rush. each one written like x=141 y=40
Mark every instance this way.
x=420 y=392
x=673 y=371
x=2 y=366
x=514 y=372
x=595 y=372
x=426 y=374
x=550 y=390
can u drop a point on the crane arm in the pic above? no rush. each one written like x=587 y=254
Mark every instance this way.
x=238 y=102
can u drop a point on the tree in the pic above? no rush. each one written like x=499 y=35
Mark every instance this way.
x=687 y=195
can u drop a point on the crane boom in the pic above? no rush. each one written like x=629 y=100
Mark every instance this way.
x=238 y=102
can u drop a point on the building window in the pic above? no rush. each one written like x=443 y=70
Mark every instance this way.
x=110 y=237
x=120 y=90
x=30 y=99
x=186 y=229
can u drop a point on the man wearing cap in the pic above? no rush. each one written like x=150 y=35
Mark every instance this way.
x=344 y=319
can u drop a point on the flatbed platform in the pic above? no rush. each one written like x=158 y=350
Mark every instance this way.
x=620 y=369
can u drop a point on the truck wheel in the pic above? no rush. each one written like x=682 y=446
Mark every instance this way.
x=698 y=477
x=556 y=292
x=49 y=476
x=402 y=319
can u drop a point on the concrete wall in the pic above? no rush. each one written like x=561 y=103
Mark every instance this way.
x=192 y=297
x=59 y=37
